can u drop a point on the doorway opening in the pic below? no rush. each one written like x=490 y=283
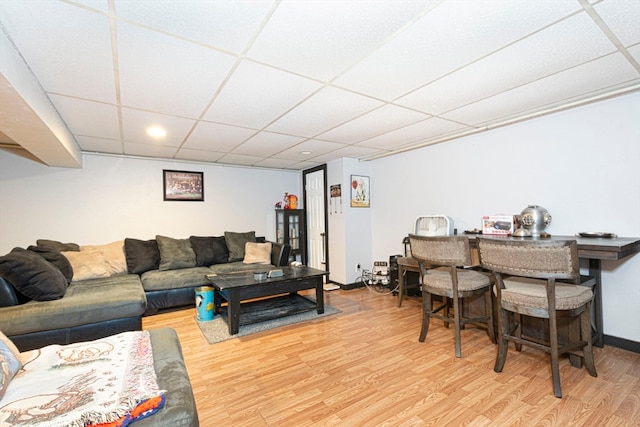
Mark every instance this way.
x=314 y=185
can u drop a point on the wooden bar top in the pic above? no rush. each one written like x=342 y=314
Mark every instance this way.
x=588 y=247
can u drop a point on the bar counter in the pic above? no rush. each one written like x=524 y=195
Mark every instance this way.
x=591 y=249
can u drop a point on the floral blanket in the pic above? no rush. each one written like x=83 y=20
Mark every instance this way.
x=109 y=381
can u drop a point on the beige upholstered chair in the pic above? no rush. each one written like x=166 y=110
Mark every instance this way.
x=540 y=278
x=440 y=260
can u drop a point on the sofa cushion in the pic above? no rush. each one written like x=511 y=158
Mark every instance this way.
x=159 y=280
x=175 y=253
x=209 y=250
x=58 y=246
x=171 y=372
x=87 y=302
x=87 y=264
x=32 y=275
x=9 y=295
x=257 y=253
x=141 y=255
x=55 y=258
x=236 y=242
x=113 y=254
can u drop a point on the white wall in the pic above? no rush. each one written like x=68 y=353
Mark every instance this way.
x=350 y=237
x=111 y=198
x=582 y=165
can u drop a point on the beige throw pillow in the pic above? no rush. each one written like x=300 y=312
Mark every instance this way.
x=257 y=253
x=87 y=264
x=113 y=254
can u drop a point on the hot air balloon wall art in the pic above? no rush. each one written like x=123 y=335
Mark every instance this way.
x=360 y=191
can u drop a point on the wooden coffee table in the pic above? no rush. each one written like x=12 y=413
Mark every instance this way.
x=234 y=288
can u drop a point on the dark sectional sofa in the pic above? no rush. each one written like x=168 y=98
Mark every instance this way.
x=57 y=293
x=60 y=293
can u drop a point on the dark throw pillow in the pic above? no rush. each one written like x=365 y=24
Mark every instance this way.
x=175 y=253
x=209 y=250
x=141 y=255
x=32 y=275
x=235 y=243
x=55 y=258
x=58 y=246
x=220 y=251
x=203 y=247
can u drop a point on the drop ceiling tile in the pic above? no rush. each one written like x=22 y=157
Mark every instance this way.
x=168 y=75
x=322 y=38
x=198 y=155
x=239 y=159
x=430 y=128
x=453 y=34
x=135 y=124
x=101 y=5
x=99 y=145
x=382 y=120
x=305 y=165
x=349 y=151
x=576 y=83
x=278 y=163
x=148 y=150
x=623 y=18
x=635 y=52
x=217 y=137
x=324 y=110
x=316 y=147
x=227 y=25
x=73 y=58
x=547 y=52
x=268 y=144
x=255 y=95
x=174 y=66
x=88 y=118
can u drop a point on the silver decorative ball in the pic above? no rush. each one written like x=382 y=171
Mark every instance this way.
x=535 y=219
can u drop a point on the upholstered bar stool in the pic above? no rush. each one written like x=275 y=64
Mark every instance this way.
x=541 y=279
x=441 y=260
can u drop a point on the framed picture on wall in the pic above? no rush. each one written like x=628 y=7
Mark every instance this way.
x=360 y=191
x=183 y=186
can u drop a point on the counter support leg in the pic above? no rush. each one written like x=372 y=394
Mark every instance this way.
x=595 y=270
x=400 y=284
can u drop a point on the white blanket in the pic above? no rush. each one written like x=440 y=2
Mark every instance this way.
x=84 y=383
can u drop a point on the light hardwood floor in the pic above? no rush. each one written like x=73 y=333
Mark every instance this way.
x=365 y=367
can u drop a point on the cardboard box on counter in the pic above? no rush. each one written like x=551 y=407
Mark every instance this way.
x=498 y=224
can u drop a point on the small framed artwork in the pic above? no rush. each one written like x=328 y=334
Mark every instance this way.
x=183 y=186
x=360 y=195
x=336 y=199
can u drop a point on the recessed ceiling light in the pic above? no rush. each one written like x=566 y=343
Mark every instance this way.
x=305 y=152
x=156 y=132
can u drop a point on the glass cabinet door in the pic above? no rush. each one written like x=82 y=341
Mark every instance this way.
x=280 y=227
x=290 y=229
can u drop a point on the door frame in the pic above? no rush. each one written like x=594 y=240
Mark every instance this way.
x=305 y=172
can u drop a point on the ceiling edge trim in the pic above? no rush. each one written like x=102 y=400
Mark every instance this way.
x=508 y=122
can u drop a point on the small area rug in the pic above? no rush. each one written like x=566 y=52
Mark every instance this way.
x=301 y=309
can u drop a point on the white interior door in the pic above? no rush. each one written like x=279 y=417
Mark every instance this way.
x=315 y=205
